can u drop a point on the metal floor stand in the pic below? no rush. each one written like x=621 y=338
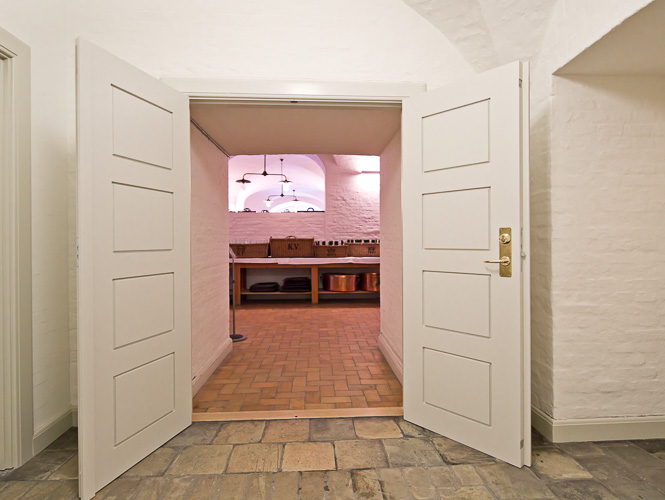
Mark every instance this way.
x=235 y=337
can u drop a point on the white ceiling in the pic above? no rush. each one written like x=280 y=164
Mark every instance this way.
x=250 y=129
x=489 y=33
x=635 y=47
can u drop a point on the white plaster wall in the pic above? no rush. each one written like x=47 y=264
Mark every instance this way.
x=352 y=208
x=391 y=253
x=41 y=25
x=572 y=27
x=209 y=245
x=608 y=246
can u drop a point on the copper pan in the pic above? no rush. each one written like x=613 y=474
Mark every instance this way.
x=370 y=282
x=340 y=282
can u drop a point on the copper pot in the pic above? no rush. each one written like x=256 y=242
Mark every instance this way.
x=370 y=282
x=340 y=282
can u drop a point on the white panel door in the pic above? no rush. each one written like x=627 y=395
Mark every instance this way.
x=466 y=334
x=134 y=355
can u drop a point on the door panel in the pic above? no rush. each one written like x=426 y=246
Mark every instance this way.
x=134 y=281
x=464 y=326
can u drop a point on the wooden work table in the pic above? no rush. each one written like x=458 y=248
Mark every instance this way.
x=313 y=264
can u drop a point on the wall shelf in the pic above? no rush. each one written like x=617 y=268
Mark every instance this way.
x=240 y=278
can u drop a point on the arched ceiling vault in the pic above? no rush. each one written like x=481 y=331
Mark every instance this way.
x=489 y=33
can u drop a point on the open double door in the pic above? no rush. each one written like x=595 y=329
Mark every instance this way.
x=465 y=342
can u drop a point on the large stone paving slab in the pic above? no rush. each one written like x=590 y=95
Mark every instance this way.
x=411 y=452
x=201 y=459
x=240 y=432
x=456 y=453
x=308 y=456
x=283 y=431
x=360 y=454
x=331 y=429
x=366 y=484
x=550 y=463
x=258 y=457
x=197 y=433
x=585 y=489
x=466 y=493
x=376 y=428
x=418 y=481
x=510 y=483
x=41 y=466
x=153 y=488
x=340 y=485
x=154 y=464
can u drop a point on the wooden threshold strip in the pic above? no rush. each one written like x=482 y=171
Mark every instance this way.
x=397 y=411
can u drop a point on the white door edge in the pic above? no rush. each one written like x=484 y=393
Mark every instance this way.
x=526 y=264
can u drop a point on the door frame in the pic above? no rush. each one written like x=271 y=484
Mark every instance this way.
x=16 y=275
x=280 y=92
x=201 y=90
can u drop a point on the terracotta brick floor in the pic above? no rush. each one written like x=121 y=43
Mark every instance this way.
x=303 y=356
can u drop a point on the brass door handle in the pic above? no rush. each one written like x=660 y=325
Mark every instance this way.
x=504 y=261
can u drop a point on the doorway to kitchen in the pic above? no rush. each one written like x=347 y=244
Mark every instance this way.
x=313 y=348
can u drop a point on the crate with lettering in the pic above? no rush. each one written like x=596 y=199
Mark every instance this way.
x=291 y=247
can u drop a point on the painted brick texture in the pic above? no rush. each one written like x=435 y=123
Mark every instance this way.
x=608 y=246
x=209 y=240
x=391 y=246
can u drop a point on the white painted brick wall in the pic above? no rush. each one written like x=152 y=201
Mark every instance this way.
x=352 y=209
x=572 y=27
x=608 y=246
x=391 y=244
x=210 y=268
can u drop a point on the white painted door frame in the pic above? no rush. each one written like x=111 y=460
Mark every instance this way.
x=17 y=426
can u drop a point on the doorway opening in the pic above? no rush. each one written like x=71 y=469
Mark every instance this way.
x=312 y=350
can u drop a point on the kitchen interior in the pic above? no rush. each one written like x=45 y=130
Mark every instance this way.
x=313 y=206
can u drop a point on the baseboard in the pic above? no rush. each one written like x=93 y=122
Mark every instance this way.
x=52 y=430
x=391 y=356
x=202 y=377
x=598 y=429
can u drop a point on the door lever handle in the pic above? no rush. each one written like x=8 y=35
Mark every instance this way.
x=504 y=261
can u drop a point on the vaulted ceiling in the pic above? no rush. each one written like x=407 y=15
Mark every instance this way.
x=489 y=33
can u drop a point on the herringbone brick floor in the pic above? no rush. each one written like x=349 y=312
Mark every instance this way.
x=303 y=356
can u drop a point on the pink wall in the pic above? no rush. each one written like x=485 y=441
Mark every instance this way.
x=390 y=340
x=352 y=208
x=210 y=268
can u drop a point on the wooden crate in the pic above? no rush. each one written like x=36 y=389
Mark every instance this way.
x=250 y=250
x=291 y=247
x=329 y=251
x=364 y=249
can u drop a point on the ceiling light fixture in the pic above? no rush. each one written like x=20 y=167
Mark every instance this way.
x=265 y=173
x=268 y=201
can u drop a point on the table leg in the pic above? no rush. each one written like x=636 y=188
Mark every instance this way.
x=315 y=284
x=237 y=285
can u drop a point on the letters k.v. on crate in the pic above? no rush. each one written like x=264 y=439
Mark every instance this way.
x=291 y=247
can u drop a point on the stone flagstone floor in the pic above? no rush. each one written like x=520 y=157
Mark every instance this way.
x=348 y=459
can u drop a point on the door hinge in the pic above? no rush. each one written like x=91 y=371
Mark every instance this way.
x=521 y=245
x=521 y=444
x=520 y=83
x=77 y=252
